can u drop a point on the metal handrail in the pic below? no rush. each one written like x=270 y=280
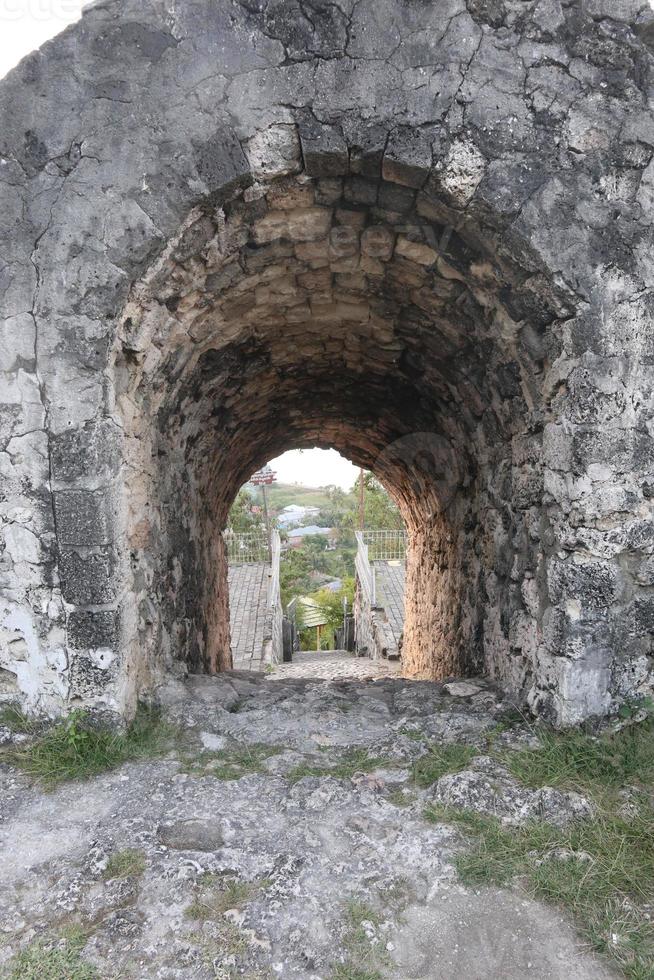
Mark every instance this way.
x=273 y=584
x=246 y=547
x=365 y=571
x=385 y=545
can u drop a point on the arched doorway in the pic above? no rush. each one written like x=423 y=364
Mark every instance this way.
x=227 y=242
x=335 y=311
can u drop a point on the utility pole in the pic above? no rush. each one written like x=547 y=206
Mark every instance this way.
x=262 y=478
x=362 y=506
x=266 y=517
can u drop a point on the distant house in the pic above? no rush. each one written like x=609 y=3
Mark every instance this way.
x=298 y=534
x=312 y=617
x=295 y=514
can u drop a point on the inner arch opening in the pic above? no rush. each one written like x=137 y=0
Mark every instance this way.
x=316 y=553
x=358 y=314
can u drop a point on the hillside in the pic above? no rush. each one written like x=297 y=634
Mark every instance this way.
x=280 y=495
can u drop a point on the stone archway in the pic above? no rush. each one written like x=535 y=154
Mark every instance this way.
x=335 y=310
x=418 y=238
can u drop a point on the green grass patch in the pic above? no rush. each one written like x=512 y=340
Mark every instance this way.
x=76 y=749
x=57 y=959
x=352 y=761
x=413 y=733
x=229 y=940
x=400 y=798
x=440 y=760
x=602 y=869
x=586 y=763
x=363 y=958
x=350 y=971
x=219 y=895
x=125 y=864
x=14 y=718
x=239 y=761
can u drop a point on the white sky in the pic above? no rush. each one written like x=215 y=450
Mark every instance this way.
x=27 y=24
x=315 y=468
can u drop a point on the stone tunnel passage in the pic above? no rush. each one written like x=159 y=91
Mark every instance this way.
x=346 y=313
x=419 y=232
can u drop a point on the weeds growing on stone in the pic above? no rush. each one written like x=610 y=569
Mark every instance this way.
x=232 y=762
x=14 y=718
x=226 y=940
x=413 y=733
x=56 y=959
x=125 y=864
x=440 y=760
x=218 y=895
x=400 y=798
x=220 y=936
x=363 y=958
x=350 y=971
x=601 y=869
x=594 y=764
x=350 y=762
x=75 y=749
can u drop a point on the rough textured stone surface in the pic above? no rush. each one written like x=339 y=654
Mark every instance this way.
x=191 y=835
x=487 y=787
x=418 y=233
x=298 y=851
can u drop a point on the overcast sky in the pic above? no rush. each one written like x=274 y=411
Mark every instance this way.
x=27 y=24
x=315 y=468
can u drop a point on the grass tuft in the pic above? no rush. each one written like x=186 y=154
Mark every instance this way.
x=350 y=763
x=217 y=896
x=14 y=718
x=400 y=798
x=125 y=864
x=350 y=971
x=227 y=940
x=440 y=760
x=594 y=764
x=600 y=869
x=75 y=749
x=54 y=960
x=363 y=958
x=237 y=761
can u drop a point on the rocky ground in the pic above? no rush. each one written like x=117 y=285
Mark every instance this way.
x=266 y=844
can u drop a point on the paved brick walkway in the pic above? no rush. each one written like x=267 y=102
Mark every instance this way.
x=248 y=595
x=390 y=593
x=334 y=665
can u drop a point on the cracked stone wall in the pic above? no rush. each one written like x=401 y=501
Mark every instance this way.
x=419 y=232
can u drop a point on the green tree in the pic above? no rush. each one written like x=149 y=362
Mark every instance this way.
x=294 y=574
x=379 y=510
x=331 y=605
x=241 y=518
x=314 y=547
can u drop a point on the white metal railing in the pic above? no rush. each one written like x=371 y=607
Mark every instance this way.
x=274 y=630
x=273 y=585
x=384 y=545
x=364 y=570
x=246 y=547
